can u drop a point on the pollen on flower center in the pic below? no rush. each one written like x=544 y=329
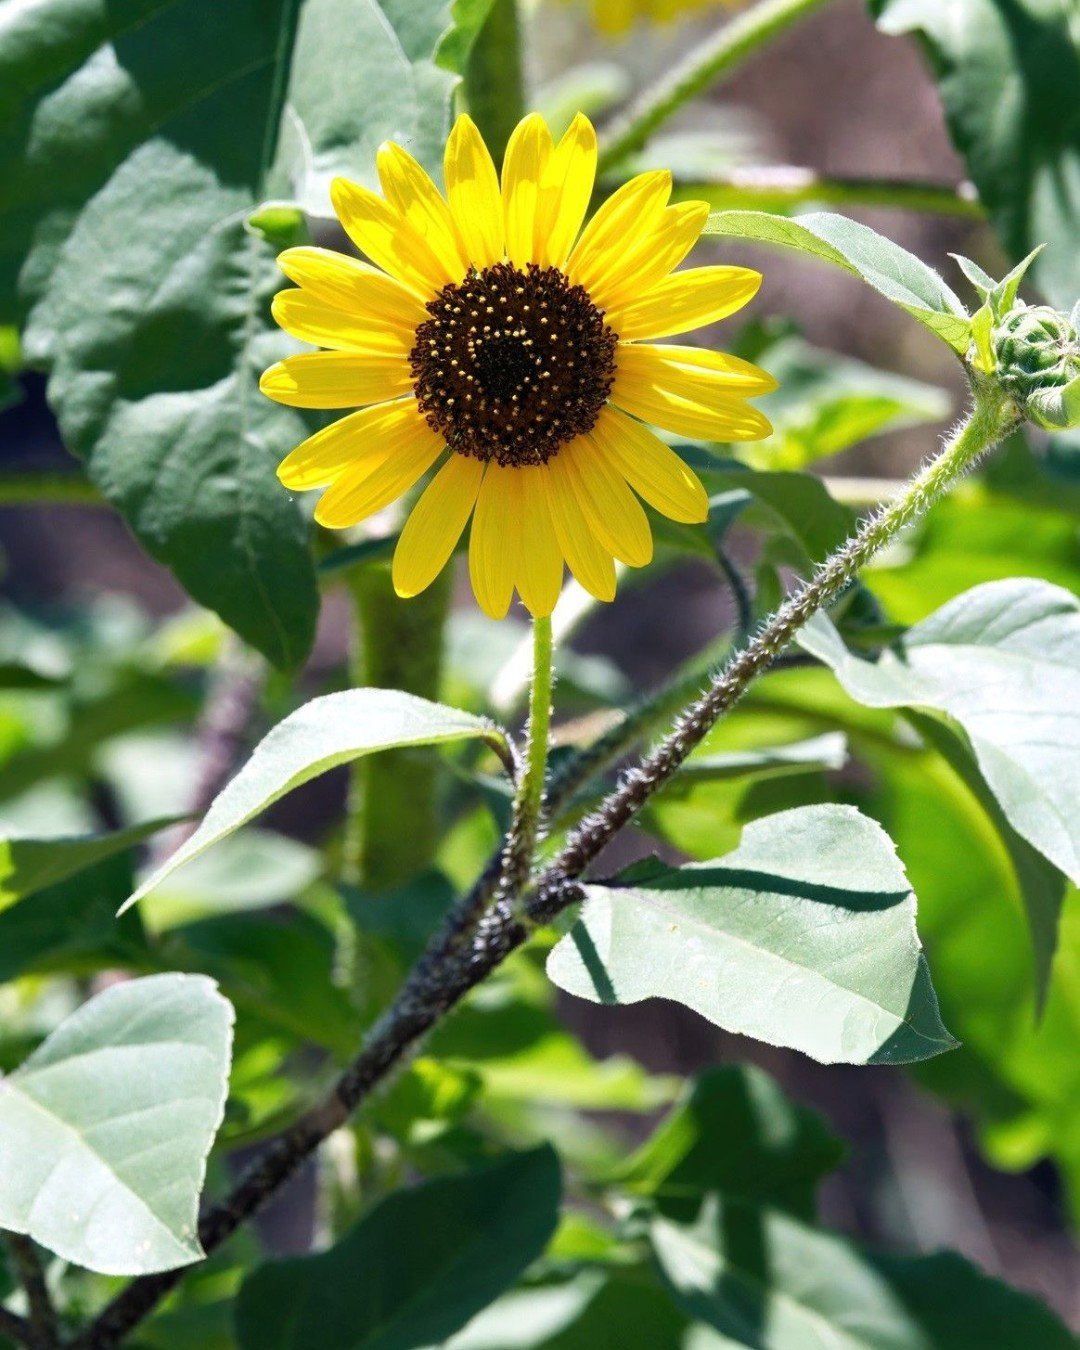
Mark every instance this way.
x=513 y=364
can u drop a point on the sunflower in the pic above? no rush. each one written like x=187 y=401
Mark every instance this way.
x=487 y=337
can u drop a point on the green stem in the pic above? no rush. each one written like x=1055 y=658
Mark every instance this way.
x=992 y=416
x=783 y=187
x=48 y=489
x=393 y=828
x=494 y=80
x=529 y=799
x=708 y=61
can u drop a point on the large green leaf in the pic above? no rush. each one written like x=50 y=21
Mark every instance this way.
x=888 y=268
x=139 y=136
x=1002 y=661
x=804 y=936
x=415 y=1269
x=105 y=1129
x=1008 y=72
x=735 y=1133
x=769 y=1282
x=325 y=733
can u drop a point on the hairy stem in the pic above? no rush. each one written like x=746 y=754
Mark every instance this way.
x=48 y=489
x=991 y=417
x=458 y=959
x=706 y=63
x=529 y=799
x=17 y=1329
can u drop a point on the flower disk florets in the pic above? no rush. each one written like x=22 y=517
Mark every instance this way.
x=513 y=364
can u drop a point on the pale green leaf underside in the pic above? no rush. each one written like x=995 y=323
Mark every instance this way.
x=1003 y=662
x=323 y=734
x=804 y=937
x=888 y=268
x=105 y=1129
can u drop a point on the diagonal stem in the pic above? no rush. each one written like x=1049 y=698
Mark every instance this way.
x=42 y=1323
x=457 y=961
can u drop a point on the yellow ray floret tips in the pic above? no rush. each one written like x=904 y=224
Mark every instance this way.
x=494 y=341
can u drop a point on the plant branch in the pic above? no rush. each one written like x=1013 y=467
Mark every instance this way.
x=783 y=187
x=42 y=1323
x=458 y=958
x=16 y=1329
x=707 y=62
x=529 y=799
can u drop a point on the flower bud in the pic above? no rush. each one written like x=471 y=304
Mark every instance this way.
x=1037 y=360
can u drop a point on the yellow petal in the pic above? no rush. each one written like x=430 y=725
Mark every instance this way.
x=388 y=239
x=723 y=419
x=613 y=512
x=540 y=569
x=588 y=561
x=686 y=300
x=312 y=320
x=566 y=193
x=435 y=524
x=378 y=480
x=635 y=208
x=409 y=189
x=643 y=264
x=524 y=167
x=369 y=434
x=495 y=540
x=692 y=372
x=473 y=188
x=336 y=380
x=349 y=284
x=653 y=469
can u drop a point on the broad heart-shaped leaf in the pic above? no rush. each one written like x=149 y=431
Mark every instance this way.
x=888 y=268
x=105 y=1129
x=1003 y=662
x=1008 y=72
x=735 y=1133
x=332 y=730
x=137 y=138
x=804 y=936
x=415 y=1269
x=770 y=1282
x=28 y=865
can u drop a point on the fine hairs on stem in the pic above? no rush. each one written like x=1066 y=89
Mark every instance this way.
x=481 y=932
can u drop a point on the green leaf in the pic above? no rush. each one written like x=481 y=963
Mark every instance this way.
x=827 y=403
x=804 y=936
x=1007 y=72
x=325 y=733
x=30 y=864
x=72 y=926
x=771 y=1283
x=141 y=145
x=415 y=1269
x=106 y=1127
x=888 y=268
x=1003 y=661
x=736 y=1133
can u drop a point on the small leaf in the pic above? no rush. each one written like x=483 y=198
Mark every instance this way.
x=804 y=936
x=106 y=1127
x=325 y=733
x=888 y=268
x=769 y=1281
x=415 y=1269
x=736 y=1133
x=1003 y=661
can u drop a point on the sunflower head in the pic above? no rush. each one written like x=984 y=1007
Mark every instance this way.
x=487 y=336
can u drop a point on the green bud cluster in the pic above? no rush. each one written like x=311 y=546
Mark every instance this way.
x=1035 y=348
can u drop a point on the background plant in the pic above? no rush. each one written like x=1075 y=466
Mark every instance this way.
x=161 y=155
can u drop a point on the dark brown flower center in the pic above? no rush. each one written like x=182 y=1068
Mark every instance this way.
x=513 y=364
